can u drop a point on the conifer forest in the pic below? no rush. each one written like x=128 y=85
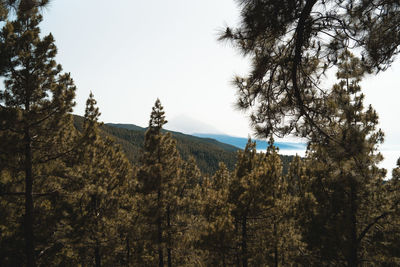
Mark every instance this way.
x=74 y=194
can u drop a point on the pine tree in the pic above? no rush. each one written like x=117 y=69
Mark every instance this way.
x=296 y=179
x=278 y=241
x=24 y=6
x=242 y=197
x=387 y=240
x=35 y=128
x=187 y=215
x=217 y=230
x=293 y=43
x=157 y=179
x=262 y=209
x=301 y=203
x=348 y=187
x=99 y=195
x=9 y=8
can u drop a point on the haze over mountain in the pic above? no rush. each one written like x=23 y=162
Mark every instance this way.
x=189 y=125
x=240 y=142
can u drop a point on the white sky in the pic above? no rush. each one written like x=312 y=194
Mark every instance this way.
x=129 y=52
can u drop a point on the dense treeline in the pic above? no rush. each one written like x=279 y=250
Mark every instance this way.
x=72 y=198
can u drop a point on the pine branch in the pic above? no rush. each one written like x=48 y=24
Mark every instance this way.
x=366 y=229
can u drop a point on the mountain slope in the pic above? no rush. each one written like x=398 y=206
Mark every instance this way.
x=208 y=152
x=126 y=126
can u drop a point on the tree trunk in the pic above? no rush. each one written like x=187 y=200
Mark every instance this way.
x=128 y=251
x=159 y=231
x=29 y=237
x=244 y=241
x=276 y=257
x=237 y=247
x=169 y=237
x=352 y=254
x=97 y=256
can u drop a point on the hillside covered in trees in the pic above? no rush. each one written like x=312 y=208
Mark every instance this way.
x=75 y=192
x=207 y=152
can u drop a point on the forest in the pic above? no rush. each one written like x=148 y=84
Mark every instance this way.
x=76 y=192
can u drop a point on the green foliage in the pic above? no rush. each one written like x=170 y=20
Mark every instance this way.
x=188 y=218
x=36 y=133
x=9 y=7
x=217 y=228
x=262 y=209
x=292 y=44
x=98 y=197
x=157 y=176
x=344 y=205
x=348 y=187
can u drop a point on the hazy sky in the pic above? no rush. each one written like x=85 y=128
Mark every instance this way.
x=129 y=52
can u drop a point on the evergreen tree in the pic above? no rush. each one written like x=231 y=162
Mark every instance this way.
x=243 y=196
x=157 y=180
x=35 y=131
x=188 y=215
x=99 y=195
x=296 y=177
x=262 y=210
x=8 y=8
x=217 y=229
x=278 y=241
x=302 y=202
x=387 y=240
x=350 y=198
x=292 y=44
x=25 y=6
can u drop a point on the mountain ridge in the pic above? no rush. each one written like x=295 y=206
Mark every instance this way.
x=207 y=151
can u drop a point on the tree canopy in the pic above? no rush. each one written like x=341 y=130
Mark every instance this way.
x=293 y=43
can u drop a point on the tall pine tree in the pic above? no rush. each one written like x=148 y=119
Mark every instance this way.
x=187 y=215
x=157 y=180
x=217 y=229
x=348 y=186
x=98 y=195
x=35 y=126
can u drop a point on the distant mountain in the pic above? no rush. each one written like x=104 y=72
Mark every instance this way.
x=208 y=152
x=241 y=142
x=189 y=125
